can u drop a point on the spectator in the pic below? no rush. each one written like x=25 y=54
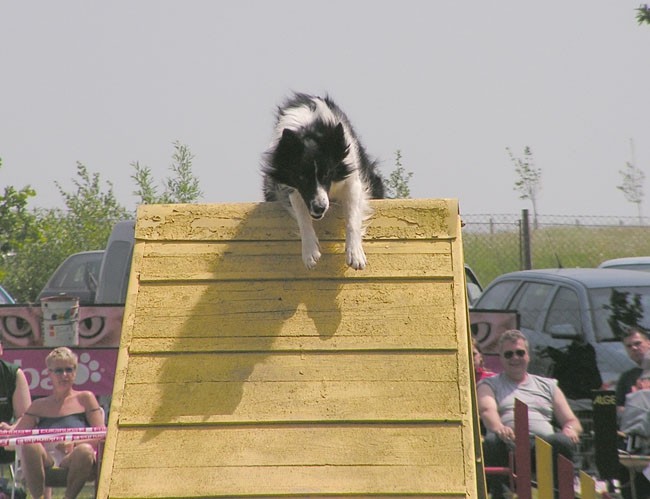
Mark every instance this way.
x=480 y=371
x=546 y=404
x=64 y=408
x=14 y=400
x=637 y=344
x=635 y=423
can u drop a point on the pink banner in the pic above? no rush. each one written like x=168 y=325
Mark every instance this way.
x=99 y=326
x=95 y=371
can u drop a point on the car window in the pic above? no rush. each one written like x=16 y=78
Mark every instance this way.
x=529 y=302
x=631 y=304
x=564 y=312
x=75 y=276
x=495 y=297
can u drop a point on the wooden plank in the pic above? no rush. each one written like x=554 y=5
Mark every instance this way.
x=279 y=388
x=544 y=468
x=297 y=482
x=260 y=260
x=289 y=315
x=281 y=460
x=392 y=219
x=110 y=445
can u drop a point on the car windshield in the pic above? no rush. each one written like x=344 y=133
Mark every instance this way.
x=613 y=307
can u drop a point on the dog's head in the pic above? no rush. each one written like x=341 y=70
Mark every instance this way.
x=309 y=162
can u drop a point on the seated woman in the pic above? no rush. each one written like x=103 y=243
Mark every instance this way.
x=64 y=408
x=480 y=371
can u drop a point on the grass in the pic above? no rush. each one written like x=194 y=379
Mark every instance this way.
x=88 y=492
x=494 y=253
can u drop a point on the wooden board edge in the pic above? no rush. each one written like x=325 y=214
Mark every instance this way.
x=120 y=371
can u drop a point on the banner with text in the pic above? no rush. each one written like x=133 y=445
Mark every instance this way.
x=95 y=370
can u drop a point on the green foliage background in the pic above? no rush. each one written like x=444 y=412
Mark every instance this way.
x=552 y=245
x=34 y=242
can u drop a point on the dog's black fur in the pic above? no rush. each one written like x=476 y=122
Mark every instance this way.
x=315 y=157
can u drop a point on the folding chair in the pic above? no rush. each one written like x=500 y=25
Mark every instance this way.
x=508 y=471
x=58 y=477
x=519 y=467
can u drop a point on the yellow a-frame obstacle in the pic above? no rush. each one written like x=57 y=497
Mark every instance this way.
x=242 y=374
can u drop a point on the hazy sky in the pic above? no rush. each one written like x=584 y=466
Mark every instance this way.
x=451 y=84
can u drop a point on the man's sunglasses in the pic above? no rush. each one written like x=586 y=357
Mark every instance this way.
x=509 y=353
x=60 y=370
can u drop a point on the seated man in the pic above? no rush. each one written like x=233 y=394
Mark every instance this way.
x=635 y=423
x=637 y=345
x=545 y=401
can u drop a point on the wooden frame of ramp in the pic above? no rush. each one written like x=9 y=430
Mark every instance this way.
x=242 y=374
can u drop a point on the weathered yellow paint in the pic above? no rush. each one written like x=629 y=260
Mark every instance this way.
x=587 y=486
x=544 y=460
x=242 y=374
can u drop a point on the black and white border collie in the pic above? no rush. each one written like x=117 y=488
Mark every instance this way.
x=314 y=158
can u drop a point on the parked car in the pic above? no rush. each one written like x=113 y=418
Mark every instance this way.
x=628 y=263
x=474 y=288
x=76 y=276
x=561 y=307
x=5 y=297
x=116 y=264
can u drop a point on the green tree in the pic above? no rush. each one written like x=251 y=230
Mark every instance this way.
x=85 y=224
x=529 y=178
x=16 y=221
x=643 y=14
x=182 y=187
x=632 y=186
x=397 y=185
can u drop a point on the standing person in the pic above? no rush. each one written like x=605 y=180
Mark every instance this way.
x=637 y=345
x=14 y=400
x=64 y=408
x=545 y=401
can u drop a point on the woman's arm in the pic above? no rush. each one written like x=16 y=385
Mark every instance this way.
x=94 y=412
x=29 y=419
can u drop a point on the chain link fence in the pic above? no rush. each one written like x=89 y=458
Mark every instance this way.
x=499 y=243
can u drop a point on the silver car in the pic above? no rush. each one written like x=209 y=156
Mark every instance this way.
x=627 y=263
x=561 y=307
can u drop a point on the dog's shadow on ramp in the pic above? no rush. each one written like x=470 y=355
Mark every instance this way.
x=244 y=303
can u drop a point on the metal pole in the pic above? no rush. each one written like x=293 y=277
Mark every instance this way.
x=525 y=243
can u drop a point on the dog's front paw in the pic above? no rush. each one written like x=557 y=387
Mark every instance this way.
x=310 y=255
x=355 y=257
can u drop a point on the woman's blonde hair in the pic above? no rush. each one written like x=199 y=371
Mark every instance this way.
x=61 y=353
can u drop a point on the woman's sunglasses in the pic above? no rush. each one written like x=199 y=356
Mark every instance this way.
x=60 y=370
x=508 y=354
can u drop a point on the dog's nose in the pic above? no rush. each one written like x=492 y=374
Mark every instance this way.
x=317 y=211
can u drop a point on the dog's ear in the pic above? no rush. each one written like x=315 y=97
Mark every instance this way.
x=290 y=147
x=337 y=142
